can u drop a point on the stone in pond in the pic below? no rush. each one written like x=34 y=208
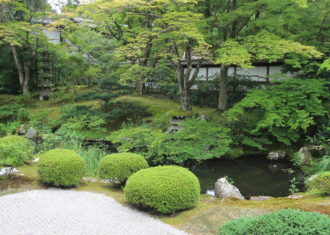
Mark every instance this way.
x=275 y=156
x=224 y=190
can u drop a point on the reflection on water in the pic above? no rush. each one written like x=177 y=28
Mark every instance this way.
x=254 y=176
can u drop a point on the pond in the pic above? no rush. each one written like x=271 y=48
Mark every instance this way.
x=254 y=176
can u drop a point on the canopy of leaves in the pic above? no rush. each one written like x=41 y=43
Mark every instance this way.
x=263 y=47
x=279 y=113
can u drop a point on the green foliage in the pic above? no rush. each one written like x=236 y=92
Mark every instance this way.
x=9 y=112
x=135 y=139
x=61 y=167
x=8 y=128
x=320 y=182
x=14 y=150
x=279 y=113
x=85 y=122
x=125 y=111
x=164 y=189
x=198 y=141
x=289 y=221
x=120 y=166
x=323 y=164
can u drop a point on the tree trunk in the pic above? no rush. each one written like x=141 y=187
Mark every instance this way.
x=140 y=86
x=185 y=96
x=19 y=70
x=26 y=78
x=223 y=94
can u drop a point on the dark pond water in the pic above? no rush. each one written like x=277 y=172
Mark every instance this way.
x=254 y=176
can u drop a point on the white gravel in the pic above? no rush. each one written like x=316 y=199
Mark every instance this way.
x=56 y=211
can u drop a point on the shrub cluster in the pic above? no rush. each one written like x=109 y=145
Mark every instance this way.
x=164 y=189
x=289 y=221
x=321 y=182
x=61 y=167
x=14 y=150
x=120 y=166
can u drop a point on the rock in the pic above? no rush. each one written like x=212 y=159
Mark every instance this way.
x=174 y=129
x=31 y=134
x=223 y=190
x=275 y=156
x=204 y=117
x=105 y=181
x=295 y=196
x=317 y=151
x=21 y=130
x=8 y=171
x=307 y=153
x=210 y=192
x=260 y=198
x=89 y=179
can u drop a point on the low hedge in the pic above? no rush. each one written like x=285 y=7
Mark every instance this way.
x=120 y=166
x=321 y=182
x=289 y=222
x=61 y=168
x=164 y=189
x=14 y=150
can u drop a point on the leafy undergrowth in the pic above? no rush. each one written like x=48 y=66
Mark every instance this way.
x=50 y=111
x=203 y=219
x=161 y=106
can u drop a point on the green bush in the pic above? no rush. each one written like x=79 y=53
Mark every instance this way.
x=61 y=167
x=120 y=166
x=282 y=222
x=280 y=113
x=14 y=150
x=321 y=182
x=164 y=189
x=136 y=139
x=198 y=141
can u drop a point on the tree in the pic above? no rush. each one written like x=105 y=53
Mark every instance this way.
x=181 y=33
x=21 y=33
x=150 y=31
x=231 y=22
x=130 y=24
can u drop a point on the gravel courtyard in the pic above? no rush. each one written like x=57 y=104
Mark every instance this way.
x=56 y=211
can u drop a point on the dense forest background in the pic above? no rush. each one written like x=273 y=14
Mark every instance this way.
x=117 y=48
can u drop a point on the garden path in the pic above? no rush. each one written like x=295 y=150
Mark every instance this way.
x=55 y=211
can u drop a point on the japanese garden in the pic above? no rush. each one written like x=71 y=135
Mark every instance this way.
x=165 y=117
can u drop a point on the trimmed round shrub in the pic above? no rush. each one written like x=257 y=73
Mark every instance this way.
x=61 y=167
x=321 y=182
x=289 y=221
x=14 y=150
x=164 y=189
x=120 y=166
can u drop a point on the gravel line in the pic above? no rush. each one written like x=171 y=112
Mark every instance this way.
x=55 y=211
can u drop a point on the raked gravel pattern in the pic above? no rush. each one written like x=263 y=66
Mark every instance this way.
x=55 y=211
